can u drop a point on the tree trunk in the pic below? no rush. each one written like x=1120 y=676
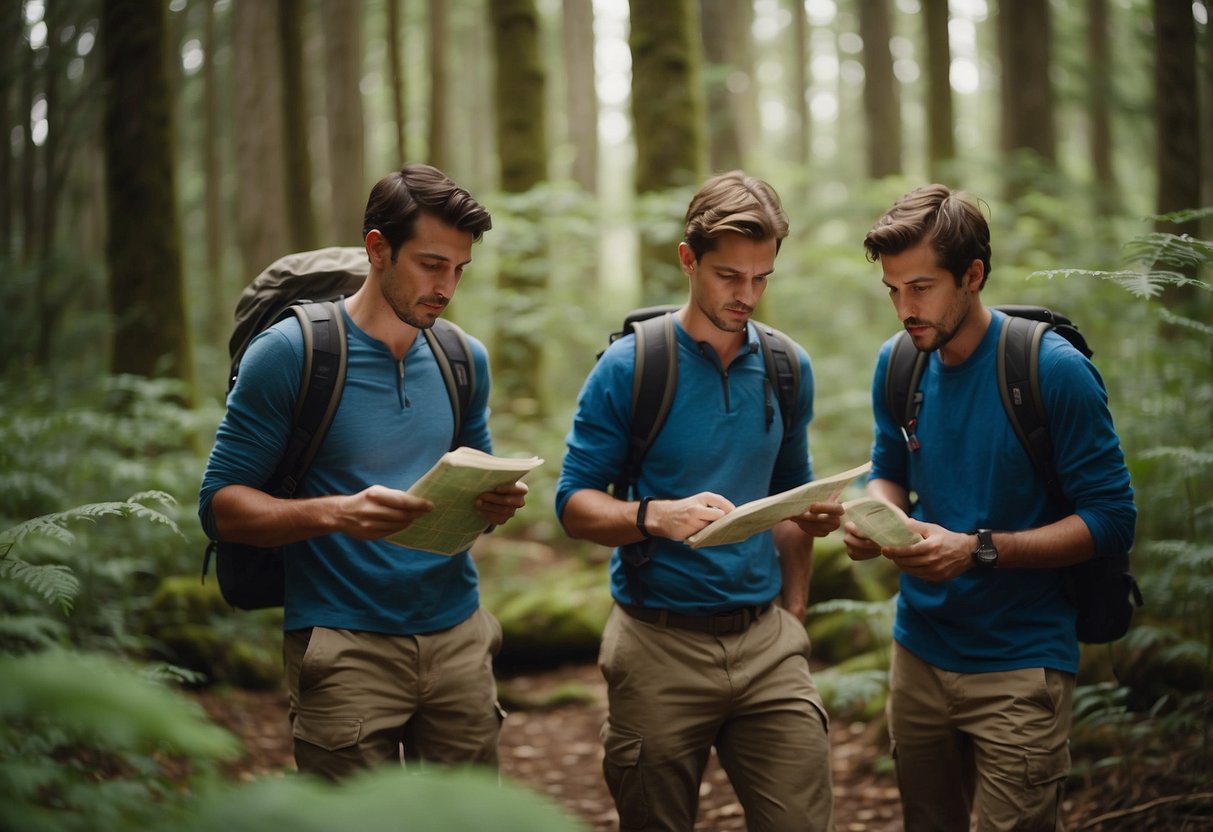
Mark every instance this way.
x=144 y=252
x=12 y=48
x=217 y=320
x=581 y=96
x=295 y=124
x=342 y=24
x=802 y=129
x=261 y=229
x=1099 y=67
x=668 y=123
x=395 y=30
x=439 y=144
x=1025 y=36
x=732 y=105
x=941 y=135
x=881 y=102
x=522 y=147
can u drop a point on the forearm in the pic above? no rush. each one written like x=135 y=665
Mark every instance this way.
x=1066 y=542
x=247 y=515
x=598 y=517
x=890 y=491
x=795 y=549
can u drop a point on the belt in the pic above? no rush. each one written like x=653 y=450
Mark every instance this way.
x=720 y=624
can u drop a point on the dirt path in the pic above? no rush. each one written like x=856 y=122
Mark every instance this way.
x=554 y=748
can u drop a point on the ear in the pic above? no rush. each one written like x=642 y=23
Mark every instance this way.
x=686 y=258
x=975 y=276
x=378 y=252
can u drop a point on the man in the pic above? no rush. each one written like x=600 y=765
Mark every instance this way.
x=985 y=651
x=384 y=645
x=698 y=655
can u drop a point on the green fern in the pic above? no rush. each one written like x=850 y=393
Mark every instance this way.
x=54 y=583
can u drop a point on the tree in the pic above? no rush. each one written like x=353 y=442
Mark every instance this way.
x=881 y=101
x=667 y=117
x=396 y=86
x=261 y=227
x=438 y=147
x=213 y=176
x=1099 y=86
x=302 y=220
x=581 y=95
x=1025 y=41
x=522 y=149
x=941 y=138
x=342 y=23
x=1177 y=110
x=150 y=336
x=802 y=129
x=732 y=103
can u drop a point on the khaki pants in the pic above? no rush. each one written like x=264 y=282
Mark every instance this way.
x=673 y=694
x=1002 y=737
x=356 y=698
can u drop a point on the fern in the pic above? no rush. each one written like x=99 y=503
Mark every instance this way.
x=54 y=583
x=55 y=525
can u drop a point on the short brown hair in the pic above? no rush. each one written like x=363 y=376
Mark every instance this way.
x=737 y=203
x=951 y=220
x=399 y=197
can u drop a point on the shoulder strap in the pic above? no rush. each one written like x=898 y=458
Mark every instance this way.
x=1019 y=386
x=902 y=395
x=783 y=373
x=454 y=356
x=653 y=384
x=320 y=386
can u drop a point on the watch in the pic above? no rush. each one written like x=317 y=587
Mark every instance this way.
x=985 y=556
x=641 y=513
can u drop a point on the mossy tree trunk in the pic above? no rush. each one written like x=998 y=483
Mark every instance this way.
x=150 y=335
x=522 y=149
x=668 y=119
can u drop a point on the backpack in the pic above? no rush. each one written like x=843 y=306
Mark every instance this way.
x=1102 y=590
x=252 y=577
x=654 y=381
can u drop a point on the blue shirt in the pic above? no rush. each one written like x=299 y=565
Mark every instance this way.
x=716 y=438
x=393 y=423
x=972 y=472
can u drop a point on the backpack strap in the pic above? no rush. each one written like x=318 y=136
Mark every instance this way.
x=901 y=393
x=1019 y=386
x=320 y=387
x=654 y=382
x=451 y=350
x=783 y=374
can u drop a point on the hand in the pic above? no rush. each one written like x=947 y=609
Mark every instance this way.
x=940 y=556
x=858 y=546
x=378 y=511
x=500 y=504
x=679 y=519
x=819 y=519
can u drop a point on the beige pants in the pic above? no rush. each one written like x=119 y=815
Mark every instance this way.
x=1002 y=737
x=357 y=698
x=673 y=694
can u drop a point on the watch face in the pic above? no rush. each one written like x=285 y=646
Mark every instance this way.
x=986 y=556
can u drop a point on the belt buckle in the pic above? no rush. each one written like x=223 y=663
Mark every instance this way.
x=724 y=623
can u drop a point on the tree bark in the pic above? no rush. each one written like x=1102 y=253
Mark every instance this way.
x=150 y=336
x=396 y=87
x=342 y=23
x=732 y=105
x=295 y=124
x=940 y=119
x=1025 y=39
x=1177 y=108
x=802 y=132
x=213 y=184
x=581 y=95
x=439 y=144
x=881 y=101
x=1099 y=67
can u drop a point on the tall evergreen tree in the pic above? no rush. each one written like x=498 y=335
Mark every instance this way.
x=348 y=179
x=881 y=98
x=1025 y=40
x=941 y=135
x=150 y=335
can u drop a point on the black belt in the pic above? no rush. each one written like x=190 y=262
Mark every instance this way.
x=720 y=624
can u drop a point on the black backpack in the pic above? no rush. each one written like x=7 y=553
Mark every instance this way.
x=251 y=577
x=1102 y=589
x=654 y=382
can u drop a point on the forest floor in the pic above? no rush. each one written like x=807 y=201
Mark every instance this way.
x=550 y=742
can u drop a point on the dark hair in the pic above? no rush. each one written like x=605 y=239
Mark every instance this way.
x=950 y=219
x=399 y=197
x=734 y=202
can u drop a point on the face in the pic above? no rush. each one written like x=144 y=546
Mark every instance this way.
x=727 y=282
x=929 y=304
x=422 y=280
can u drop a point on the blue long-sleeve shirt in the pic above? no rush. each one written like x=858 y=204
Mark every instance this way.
x=972 y=472
x=715 y=439
x=393 y=424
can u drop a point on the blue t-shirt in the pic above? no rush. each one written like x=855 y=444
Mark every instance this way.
x=716 y=438
x=393 y=423
x=972 y=472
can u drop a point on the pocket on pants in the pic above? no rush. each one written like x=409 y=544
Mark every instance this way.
x=328 y=733
x=621 y=768
x=1042 y=769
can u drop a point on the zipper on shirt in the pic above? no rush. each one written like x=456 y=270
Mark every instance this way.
x=401 y=394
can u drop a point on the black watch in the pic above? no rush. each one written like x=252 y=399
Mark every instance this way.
x=985 y=555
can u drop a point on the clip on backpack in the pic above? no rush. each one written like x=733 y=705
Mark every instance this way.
x=1102 y=590
x=654 y=382
x=252 y=577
